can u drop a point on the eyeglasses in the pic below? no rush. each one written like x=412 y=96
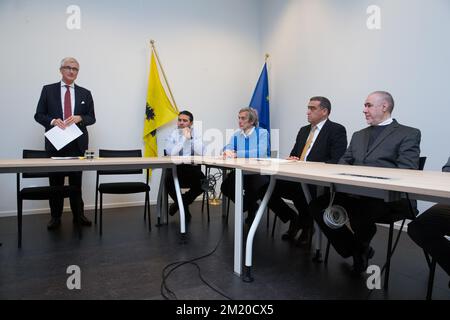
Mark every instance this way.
x=67 y=68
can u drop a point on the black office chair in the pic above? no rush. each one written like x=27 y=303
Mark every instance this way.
x=121 y=187
x=389 y=220
x=432 y=265
x=37 y=193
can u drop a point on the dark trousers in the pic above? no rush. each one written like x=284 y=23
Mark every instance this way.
x=75 y=179
x=255 y=185
x=428 y=231
x=189 y=177
x=363 y=213
x=76 y=201
x=291 y=191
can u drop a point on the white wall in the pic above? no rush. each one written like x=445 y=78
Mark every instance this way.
x=324 y=48
x=209 y=50
x=212 y=52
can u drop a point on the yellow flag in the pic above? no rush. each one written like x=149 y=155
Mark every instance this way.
x=158 y=110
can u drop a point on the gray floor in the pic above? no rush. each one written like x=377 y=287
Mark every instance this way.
x=127 y=262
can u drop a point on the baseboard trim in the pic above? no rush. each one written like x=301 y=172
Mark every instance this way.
x=13 y=213
x=67 y=209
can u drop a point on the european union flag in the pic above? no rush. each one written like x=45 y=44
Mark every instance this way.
x=260 y=102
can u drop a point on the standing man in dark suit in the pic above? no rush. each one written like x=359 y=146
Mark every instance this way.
x=63 y=104
x=320 y=141
x=385 y=143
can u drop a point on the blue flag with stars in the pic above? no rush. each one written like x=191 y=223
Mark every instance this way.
x=260 y=102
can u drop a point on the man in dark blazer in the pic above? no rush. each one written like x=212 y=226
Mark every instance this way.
x=385 y=143
x=63 y=104
x=320 y=141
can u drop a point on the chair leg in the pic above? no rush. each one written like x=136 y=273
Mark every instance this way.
x=327 y=252
x=388 y=256
x=207 y=206
x=203 y=200
x=101 y=213
x=431 y=279
x=274 y=224
x=19 y=223
x=145 y=206
x=96 y=197
x=148 y=212
x=96 y=202
x=167 y=209
x=427 y=257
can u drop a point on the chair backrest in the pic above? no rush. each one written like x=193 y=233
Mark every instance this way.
x=36 y=154
x=103 y=153
x=422 y=161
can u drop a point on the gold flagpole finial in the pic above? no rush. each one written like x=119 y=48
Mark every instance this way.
x=267 y=56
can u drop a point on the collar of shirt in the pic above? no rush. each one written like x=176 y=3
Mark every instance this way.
x=249 y=133
x=63 y=84
x=386 y=122
x=320 y=125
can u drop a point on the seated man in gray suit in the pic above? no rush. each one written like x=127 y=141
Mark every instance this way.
x=385 y=143
x=429 y=231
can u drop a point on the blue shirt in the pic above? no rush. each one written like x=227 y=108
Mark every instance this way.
x=253 y=145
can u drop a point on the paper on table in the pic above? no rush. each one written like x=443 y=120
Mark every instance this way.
x=276 y=160
x=66 y=158
x=59 y=138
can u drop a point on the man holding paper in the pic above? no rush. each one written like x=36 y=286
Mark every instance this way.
x=64 y=104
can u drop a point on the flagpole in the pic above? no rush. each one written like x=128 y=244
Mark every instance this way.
x=266 y=57
x=152 y=43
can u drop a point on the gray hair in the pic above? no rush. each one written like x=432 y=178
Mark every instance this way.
x=386 y=97
x=68 y=59
x=252 y=115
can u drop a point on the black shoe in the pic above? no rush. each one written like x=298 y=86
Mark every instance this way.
x=173 y=209
x=361 y=260
x=83 y=221
x=54 y=224
x=294 y=228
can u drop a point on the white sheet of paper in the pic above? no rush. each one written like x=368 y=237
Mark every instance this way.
x=276 y=160
x=60 y=138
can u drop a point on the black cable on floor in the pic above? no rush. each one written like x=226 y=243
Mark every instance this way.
x=171 y=267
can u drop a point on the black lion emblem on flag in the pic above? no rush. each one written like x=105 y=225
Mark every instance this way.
x=149 y=112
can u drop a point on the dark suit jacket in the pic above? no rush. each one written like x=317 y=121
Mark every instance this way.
x=49 y=107
x=329 y=146
x=397 y=146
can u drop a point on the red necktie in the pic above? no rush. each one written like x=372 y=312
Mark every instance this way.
x=67 y=104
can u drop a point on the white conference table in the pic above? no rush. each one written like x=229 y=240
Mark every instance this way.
x=384 y=183
x=51 y=165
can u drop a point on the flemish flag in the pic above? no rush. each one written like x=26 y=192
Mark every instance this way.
x=158 y=110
